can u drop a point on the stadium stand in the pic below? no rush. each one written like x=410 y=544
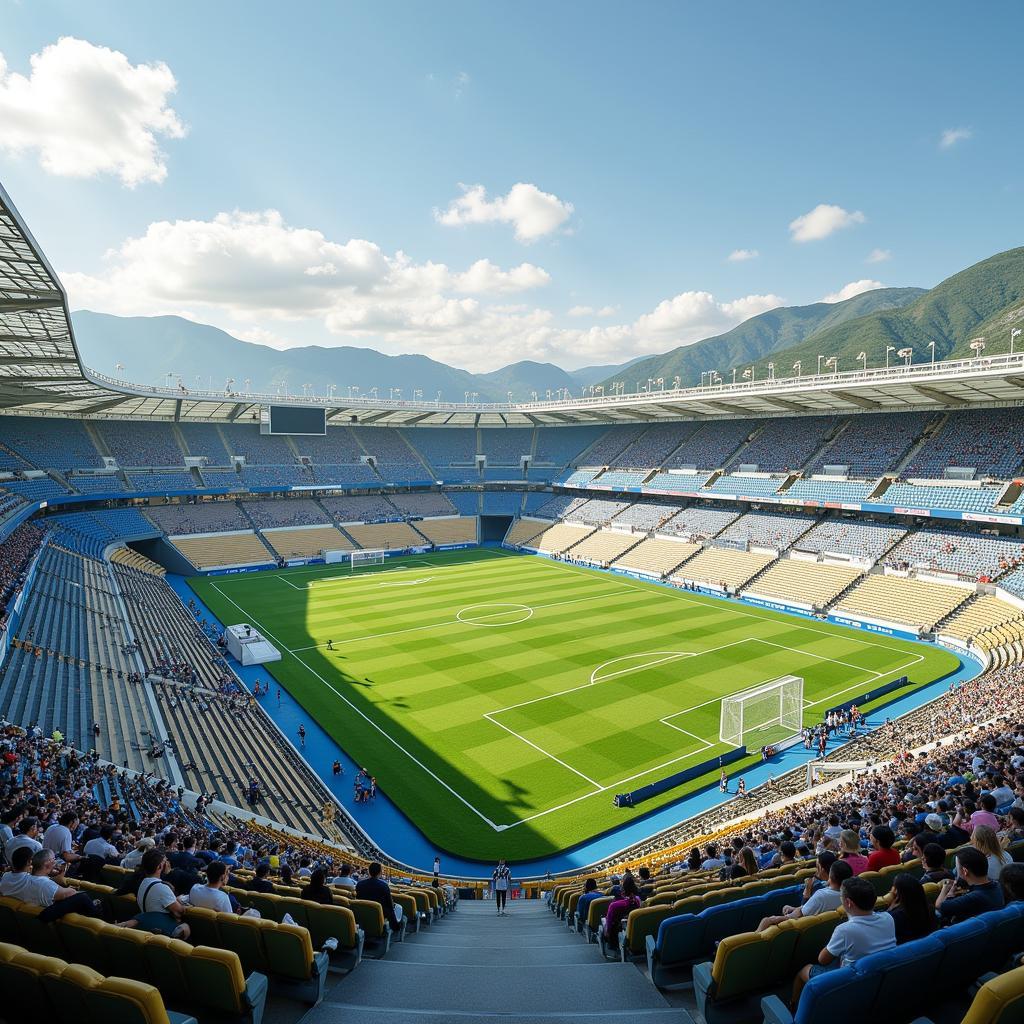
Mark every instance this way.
x=16 y=553
x=979 y=616
x=203 y=440
x=580 y=477
x=618 y=478
x=290 y=512
x=223 y=550
x=962 y=551
x=656 y=556
x=686 y=483
x=894 y=599
x=746 y=485
x=724 y=567
x=345 y=475
x=523 y=531
x=558 y=446
x=467 y=503
x=768 y=529
x=646 y=515
x=361 y=508
x=276 y=476
x=711 y=446
x=966 y=499
x=700 y=521
x=557 y=539
x=497 y=503
x=603 y=547
x=988 y=441
x=102 y=483
x=306 y=542
x=38 y=488
x=140 y=444
x=205 y=517
x=559 y=507
x=446 y=446
x=506 y=447
x=611 y=444
x=454 y=530
x=533 y=501
x=423 y=504
x=596 y=511
x=164 y=483
x=258 y=449
x=873 y=443
x=220 y=479
x=784 y=445
x=385 y=536
x=50 y=443
x=865 y=540
x=809 y=489
x=803 y=582
x=654 y=445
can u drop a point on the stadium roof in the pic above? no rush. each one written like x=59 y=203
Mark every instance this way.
x=41 y=373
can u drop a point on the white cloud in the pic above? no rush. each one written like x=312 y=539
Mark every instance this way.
x=879 y=256
x=742 y=255
x=848 y=291
x=86 y=110
x=258 y=277
x=603 y=311
x=462 y=81
x=533 y=213
x=822 y=221
x=951 y=136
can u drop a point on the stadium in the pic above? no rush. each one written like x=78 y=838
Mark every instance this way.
x=703 y=661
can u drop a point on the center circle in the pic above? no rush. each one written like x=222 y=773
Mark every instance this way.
x=494 y=614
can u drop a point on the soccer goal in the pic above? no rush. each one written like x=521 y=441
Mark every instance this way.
x=768 y=713
x=368 y=557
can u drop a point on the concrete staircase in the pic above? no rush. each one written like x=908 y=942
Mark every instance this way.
x=473 y=967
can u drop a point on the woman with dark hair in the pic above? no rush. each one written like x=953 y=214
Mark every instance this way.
x=286 y=875
x=694 y=861
x=1012 y=880
x=317 y=889
x=745 y=865
x=909 y=909
x=619 y=910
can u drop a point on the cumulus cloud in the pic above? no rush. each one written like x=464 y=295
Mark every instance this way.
x=825 y=219
x=260 y=278
x=87 y=110
x=848 y=291
x=593 y=310
x=742 y=255
x=951 y=136
x=532 y=213
x=879 y=256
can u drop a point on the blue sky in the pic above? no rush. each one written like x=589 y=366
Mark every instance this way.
x=648 y=143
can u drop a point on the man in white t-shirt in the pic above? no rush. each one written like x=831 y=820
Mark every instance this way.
x=102 y=847
x=212 y=895
x=16 y=882
x=29 y=836
x=45 y=887
x=58 y=838
x=863 y=933
x=830 y=870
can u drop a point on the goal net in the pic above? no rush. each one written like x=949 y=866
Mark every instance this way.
x=368 y=557
x=764 y=714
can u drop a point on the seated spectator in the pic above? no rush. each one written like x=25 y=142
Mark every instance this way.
x=933 y=859
x=986 y=813
x=1013 y=832
x=693 y=860
x=59 y=837
x=16 y=882
x=849 y=851
x=27 y=836
x=863 y=932
x=909 y=909
x=101 y=847
x=948 y=837
x=882 y=853
x=1012 y=881
x=984 y=838
x=212 y=895
x=590 y=893
x=185 y=858
x=261 y=882
x=345 y=877
x=645 y=885
x=375 y=889
x=46 y=889
x=133 y=859
x=830 y=873
x=317 y=890
x=745 y=865
x=619 y=909
x=972 y=892
x=160 y=910
x=713 y=860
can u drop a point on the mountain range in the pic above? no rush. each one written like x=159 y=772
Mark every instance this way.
x=986 y=299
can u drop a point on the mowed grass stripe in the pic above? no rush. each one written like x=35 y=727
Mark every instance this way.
x=429 y=680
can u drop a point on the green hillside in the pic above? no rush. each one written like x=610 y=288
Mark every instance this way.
x=761 y=336
x=983 y=300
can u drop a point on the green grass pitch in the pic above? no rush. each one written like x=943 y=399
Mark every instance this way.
x=502 y=700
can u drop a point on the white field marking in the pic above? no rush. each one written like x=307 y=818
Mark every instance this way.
x=598 y=788
x=408 y=583
x=667 y=720
x=365 y=717
x=668 y=656
x=435 y=625
x=473 y=619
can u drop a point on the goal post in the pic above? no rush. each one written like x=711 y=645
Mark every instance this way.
x=366 y=557
x=764 y=714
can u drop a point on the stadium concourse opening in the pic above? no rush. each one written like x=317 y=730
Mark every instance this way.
x=503 y=700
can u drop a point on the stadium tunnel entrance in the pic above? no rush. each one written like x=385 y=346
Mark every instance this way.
x=494 y=528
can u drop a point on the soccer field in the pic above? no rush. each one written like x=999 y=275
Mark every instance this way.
x=502 y=700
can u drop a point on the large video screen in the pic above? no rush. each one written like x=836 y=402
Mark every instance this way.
x=287 y=419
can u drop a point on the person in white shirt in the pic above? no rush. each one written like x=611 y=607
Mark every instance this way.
x=830 y=870
x=133 y=859
x=45 y=886
x=211 y=896
x=29 y=836
x=863 y=932
x=345 y=878
x=101 y=846
x=58 y=839
x=16 y=882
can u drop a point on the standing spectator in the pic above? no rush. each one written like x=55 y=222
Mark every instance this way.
x=501 y=878
x=302 y=736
